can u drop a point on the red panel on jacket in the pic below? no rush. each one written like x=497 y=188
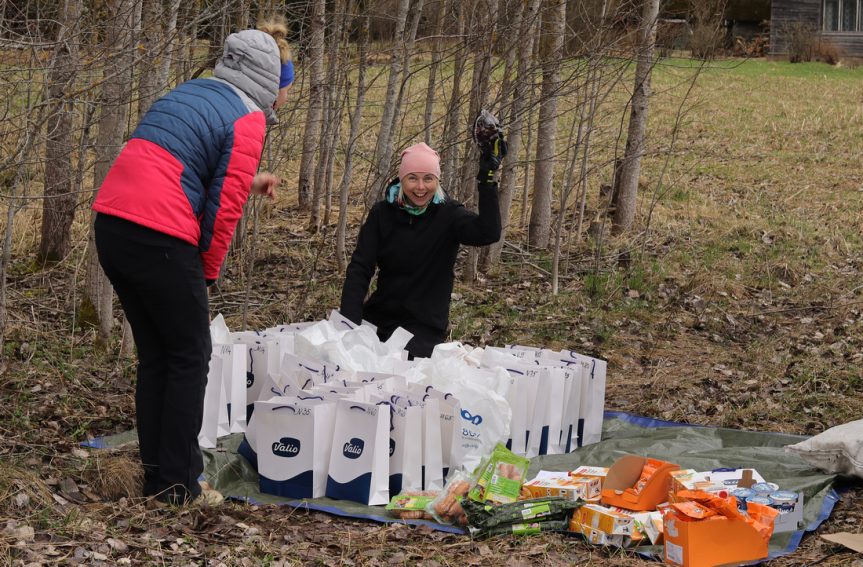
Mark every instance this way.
x=249 y=132
x=143 y=186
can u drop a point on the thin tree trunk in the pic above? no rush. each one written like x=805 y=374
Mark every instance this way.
x=433 y=69
x=344 y=186
x=152 y=42
x=383 y=150
x=540 y=215
x=112 y=125
x=482 y=76
x=624 y=213
x=521 y=85
x=171 y=49
x=311 y=138
x=58 y=207
x=450 y=147
x=329 y=136
x=529 y=146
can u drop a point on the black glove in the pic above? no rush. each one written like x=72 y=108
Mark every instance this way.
x=490 y=157
x=210 y=282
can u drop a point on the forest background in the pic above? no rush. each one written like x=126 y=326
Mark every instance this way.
x=672 y=204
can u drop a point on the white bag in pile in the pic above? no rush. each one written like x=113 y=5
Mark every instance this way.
x=225 y=391
x=406 y=457
x=573 y=377
x=432 y=462
x=485 y=415
x=359 y=460
x=293 y=437
x=213 y=396
x=592 y=393
x=450 y=412
x=546 y=416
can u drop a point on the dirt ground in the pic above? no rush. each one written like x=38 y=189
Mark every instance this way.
x=740 y=307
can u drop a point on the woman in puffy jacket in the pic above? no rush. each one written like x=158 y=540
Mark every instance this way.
x=167 y=210
x=412 y=238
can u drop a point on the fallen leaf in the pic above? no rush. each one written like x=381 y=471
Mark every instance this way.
x=80 y=453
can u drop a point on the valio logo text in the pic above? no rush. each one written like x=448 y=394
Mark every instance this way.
x=286 y=447
x=353 y=449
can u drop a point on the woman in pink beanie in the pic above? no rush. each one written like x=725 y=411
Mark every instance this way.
x=412 y=237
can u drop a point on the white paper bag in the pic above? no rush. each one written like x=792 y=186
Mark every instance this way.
x=450 y=413
x=212 y=397
x=359 y=460
x=294 y=439
x=405 y=448
x=592 y=393
x=573 y=378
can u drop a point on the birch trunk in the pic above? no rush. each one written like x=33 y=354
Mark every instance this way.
x=624 y=214
x=522 y=84
x=58 y=207
x=311 y=137
x=344 y=186
x=112 y=126
x=383 y=149
x=554 y=21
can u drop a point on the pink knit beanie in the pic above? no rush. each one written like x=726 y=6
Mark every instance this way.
x=419 y=158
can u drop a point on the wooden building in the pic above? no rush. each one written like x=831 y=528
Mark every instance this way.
x=836 y=22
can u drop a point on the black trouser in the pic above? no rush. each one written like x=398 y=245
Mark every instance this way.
x=160 y=282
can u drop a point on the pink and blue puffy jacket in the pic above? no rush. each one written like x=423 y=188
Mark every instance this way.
x=187 y=169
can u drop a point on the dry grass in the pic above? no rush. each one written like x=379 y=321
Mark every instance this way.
x=741 y=307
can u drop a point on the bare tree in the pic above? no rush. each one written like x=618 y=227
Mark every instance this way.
x=116 y=91
x=438 y=18
x=344 y=186
x=554 y=23
x=384 y=147
x=452 y=121
x=312 y=134
x=58 y=207
x=526 y=25
x=630 y=170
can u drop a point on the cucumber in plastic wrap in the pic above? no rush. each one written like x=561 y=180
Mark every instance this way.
x=485 y=516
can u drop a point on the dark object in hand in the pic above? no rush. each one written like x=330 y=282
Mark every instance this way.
x=488 y=136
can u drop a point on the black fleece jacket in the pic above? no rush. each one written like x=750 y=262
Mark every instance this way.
x=415 y=257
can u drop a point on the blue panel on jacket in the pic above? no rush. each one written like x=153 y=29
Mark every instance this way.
x=192 y=122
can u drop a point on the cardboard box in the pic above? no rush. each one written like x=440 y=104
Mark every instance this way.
x=620 y=487
x=717 y=540
x=605 y=520
x=598 y=472
x=569 y=487
x=791 y=521
x=595 y=536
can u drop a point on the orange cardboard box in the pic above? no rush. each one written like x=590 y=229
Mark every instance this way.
x=569 y=487
x=598 y=472
x=717 y=540
x=626 y=486
x=605 y=520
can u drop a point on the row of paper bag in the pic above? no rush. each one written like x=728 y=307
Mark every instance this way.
x=352 y=418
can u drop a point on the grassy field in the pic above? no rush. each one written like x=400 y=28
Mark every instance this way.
x=741 y=305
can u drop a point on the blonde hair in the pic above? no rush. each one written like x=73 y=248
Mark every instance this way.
x=277 y=27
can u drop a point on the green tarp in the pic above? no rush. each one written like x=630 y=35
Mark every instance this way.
x=699 y=448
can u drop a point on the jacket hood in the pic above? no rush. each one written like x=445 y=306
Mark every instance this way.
x=251 y=63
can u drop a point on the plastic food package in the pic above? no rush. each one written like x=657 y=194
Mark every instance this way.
x=500 y=480
x=412 y=505
x=485 y=516
x=446 y=507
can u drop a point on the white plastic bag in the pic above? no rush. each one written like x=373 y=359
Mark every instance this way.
x=837 y=450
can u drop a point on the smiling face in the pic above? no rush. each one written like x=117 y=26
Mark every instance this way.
x=419 y=188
